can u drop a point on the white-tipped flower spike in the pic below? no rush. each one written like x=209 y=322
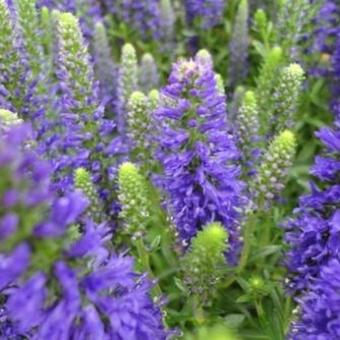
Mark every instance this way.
x=134 y=200
x=29 y=27
x=127 y=82
x=140 y=124
x=148 y=73
x=204 y=263
x=73 y=60
x=239 y=45
x=272 y=172
x=248 y=125
x=83 y=182
x=286 y=96
x=154 y=99
x=266 y=83
x=204 y=57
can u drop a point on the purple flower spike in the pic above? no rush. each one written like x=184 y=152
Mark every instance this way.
x=198 y=154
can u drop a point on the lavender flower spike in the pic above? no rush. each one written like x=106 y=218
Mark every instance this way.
x=208 y=12
x=238 y=46
x=148 y=73
x=47 y=292
x=127 y=82
x=312 y=233
x=200 y=177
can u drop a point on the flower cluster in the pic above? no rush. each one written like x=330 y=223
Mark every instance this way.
x=198 y=156
x=273 y=169
x=319 y=308
x=144 y=17
x=238 y=46
x=313 y=233
x=203 y=264
x=208 y=12
x=42 y=251
x=148 y=73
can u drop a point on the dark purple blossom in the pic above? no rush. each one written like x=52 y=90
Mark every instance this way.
x=88 y=12
x=313 y=233
x=197 y=153
x=320 y=307
x=208 y=12
x=143 y=16
x=42 y=251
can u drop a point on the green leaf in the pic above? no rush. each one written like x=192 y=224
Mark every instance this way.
x=234 y=320
x=179 y=284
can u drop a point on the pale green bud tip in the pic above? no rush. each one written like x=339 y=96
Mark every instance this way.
x=249 y=98
x=244 y=3
x=204 y=55
x=260 y=17
x=45 y=12
x=214 y=233
x=286 y=138
x=154 y=94
x=127 y=169
x=256 y=282
x=295 y=70
x=66 y=19
x=147 y=58
x=137 y=97
x=276 y=52
x=81 y=173
x=128 y=49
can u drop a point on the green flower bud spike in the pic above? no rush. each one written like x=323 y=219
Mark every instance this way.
x=266 y=83
x=83 y=182
x=204 y=57
x=204 y=263
x=153 y=98
x=29 y=26
x=260 y=21
x=75 y=59
x=286 y=96
x=135 y=203
x=272 y=172
x=127 y=80
x=140 y=126
x=135 y=214
x=148 y=73
x=248 y=124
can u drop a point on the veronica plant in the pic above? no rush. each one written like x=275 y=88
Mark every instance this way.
x=46 y=294
x=148 y=73
x=238 y=46
x=196 y=153
x=127 y=82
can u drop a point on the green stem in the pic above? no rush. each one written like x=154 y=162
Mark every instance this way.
x=197 y=310
x=144 y=258
x=247 y=238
